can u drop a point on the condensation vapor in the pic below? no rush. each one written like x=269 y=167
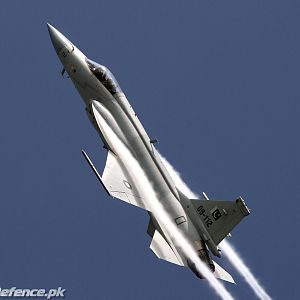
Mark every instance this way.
x=226 y=248
x=240 y=265
x=139 y=176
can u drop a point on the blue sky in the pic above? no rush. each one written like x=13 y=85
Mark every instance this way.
x=216 y=82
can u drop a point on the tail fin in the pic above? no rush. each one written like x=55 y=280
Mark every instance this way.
x=220 y=217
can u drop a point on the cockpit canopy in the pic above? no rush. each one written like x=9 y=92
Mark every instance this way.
x=104 y=76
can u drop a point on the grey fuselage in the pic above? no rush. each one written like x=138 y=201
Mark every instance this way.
x=122 y=120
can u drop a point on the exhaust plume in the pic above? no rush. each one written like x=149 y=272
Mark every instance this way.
x=226 y=248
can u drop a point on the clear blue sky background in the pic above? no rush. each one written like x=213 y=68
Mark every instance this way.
x=217 y=82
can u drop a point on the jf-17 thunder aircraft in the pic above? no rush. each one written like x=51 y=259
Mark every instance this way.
x=204 y=223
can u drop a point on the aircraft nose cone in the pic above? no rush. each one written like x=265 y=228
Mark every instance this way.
x=59 y=41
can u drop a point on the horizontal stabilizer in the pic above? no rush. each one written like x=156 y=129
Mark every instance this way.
x=163 y=250
x=222 y=274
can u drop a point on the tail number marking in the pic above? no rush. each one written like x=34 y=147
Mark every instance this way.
x=205 y=218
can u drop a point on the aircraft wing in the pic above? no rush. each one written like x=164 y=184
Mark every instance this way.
x=116 y=182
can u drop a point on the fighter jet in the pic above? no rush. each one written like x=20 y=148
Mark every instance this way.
x=205 y=223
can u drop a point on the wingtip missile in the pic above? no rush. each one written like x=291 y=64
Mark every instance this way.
x=95 y=170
